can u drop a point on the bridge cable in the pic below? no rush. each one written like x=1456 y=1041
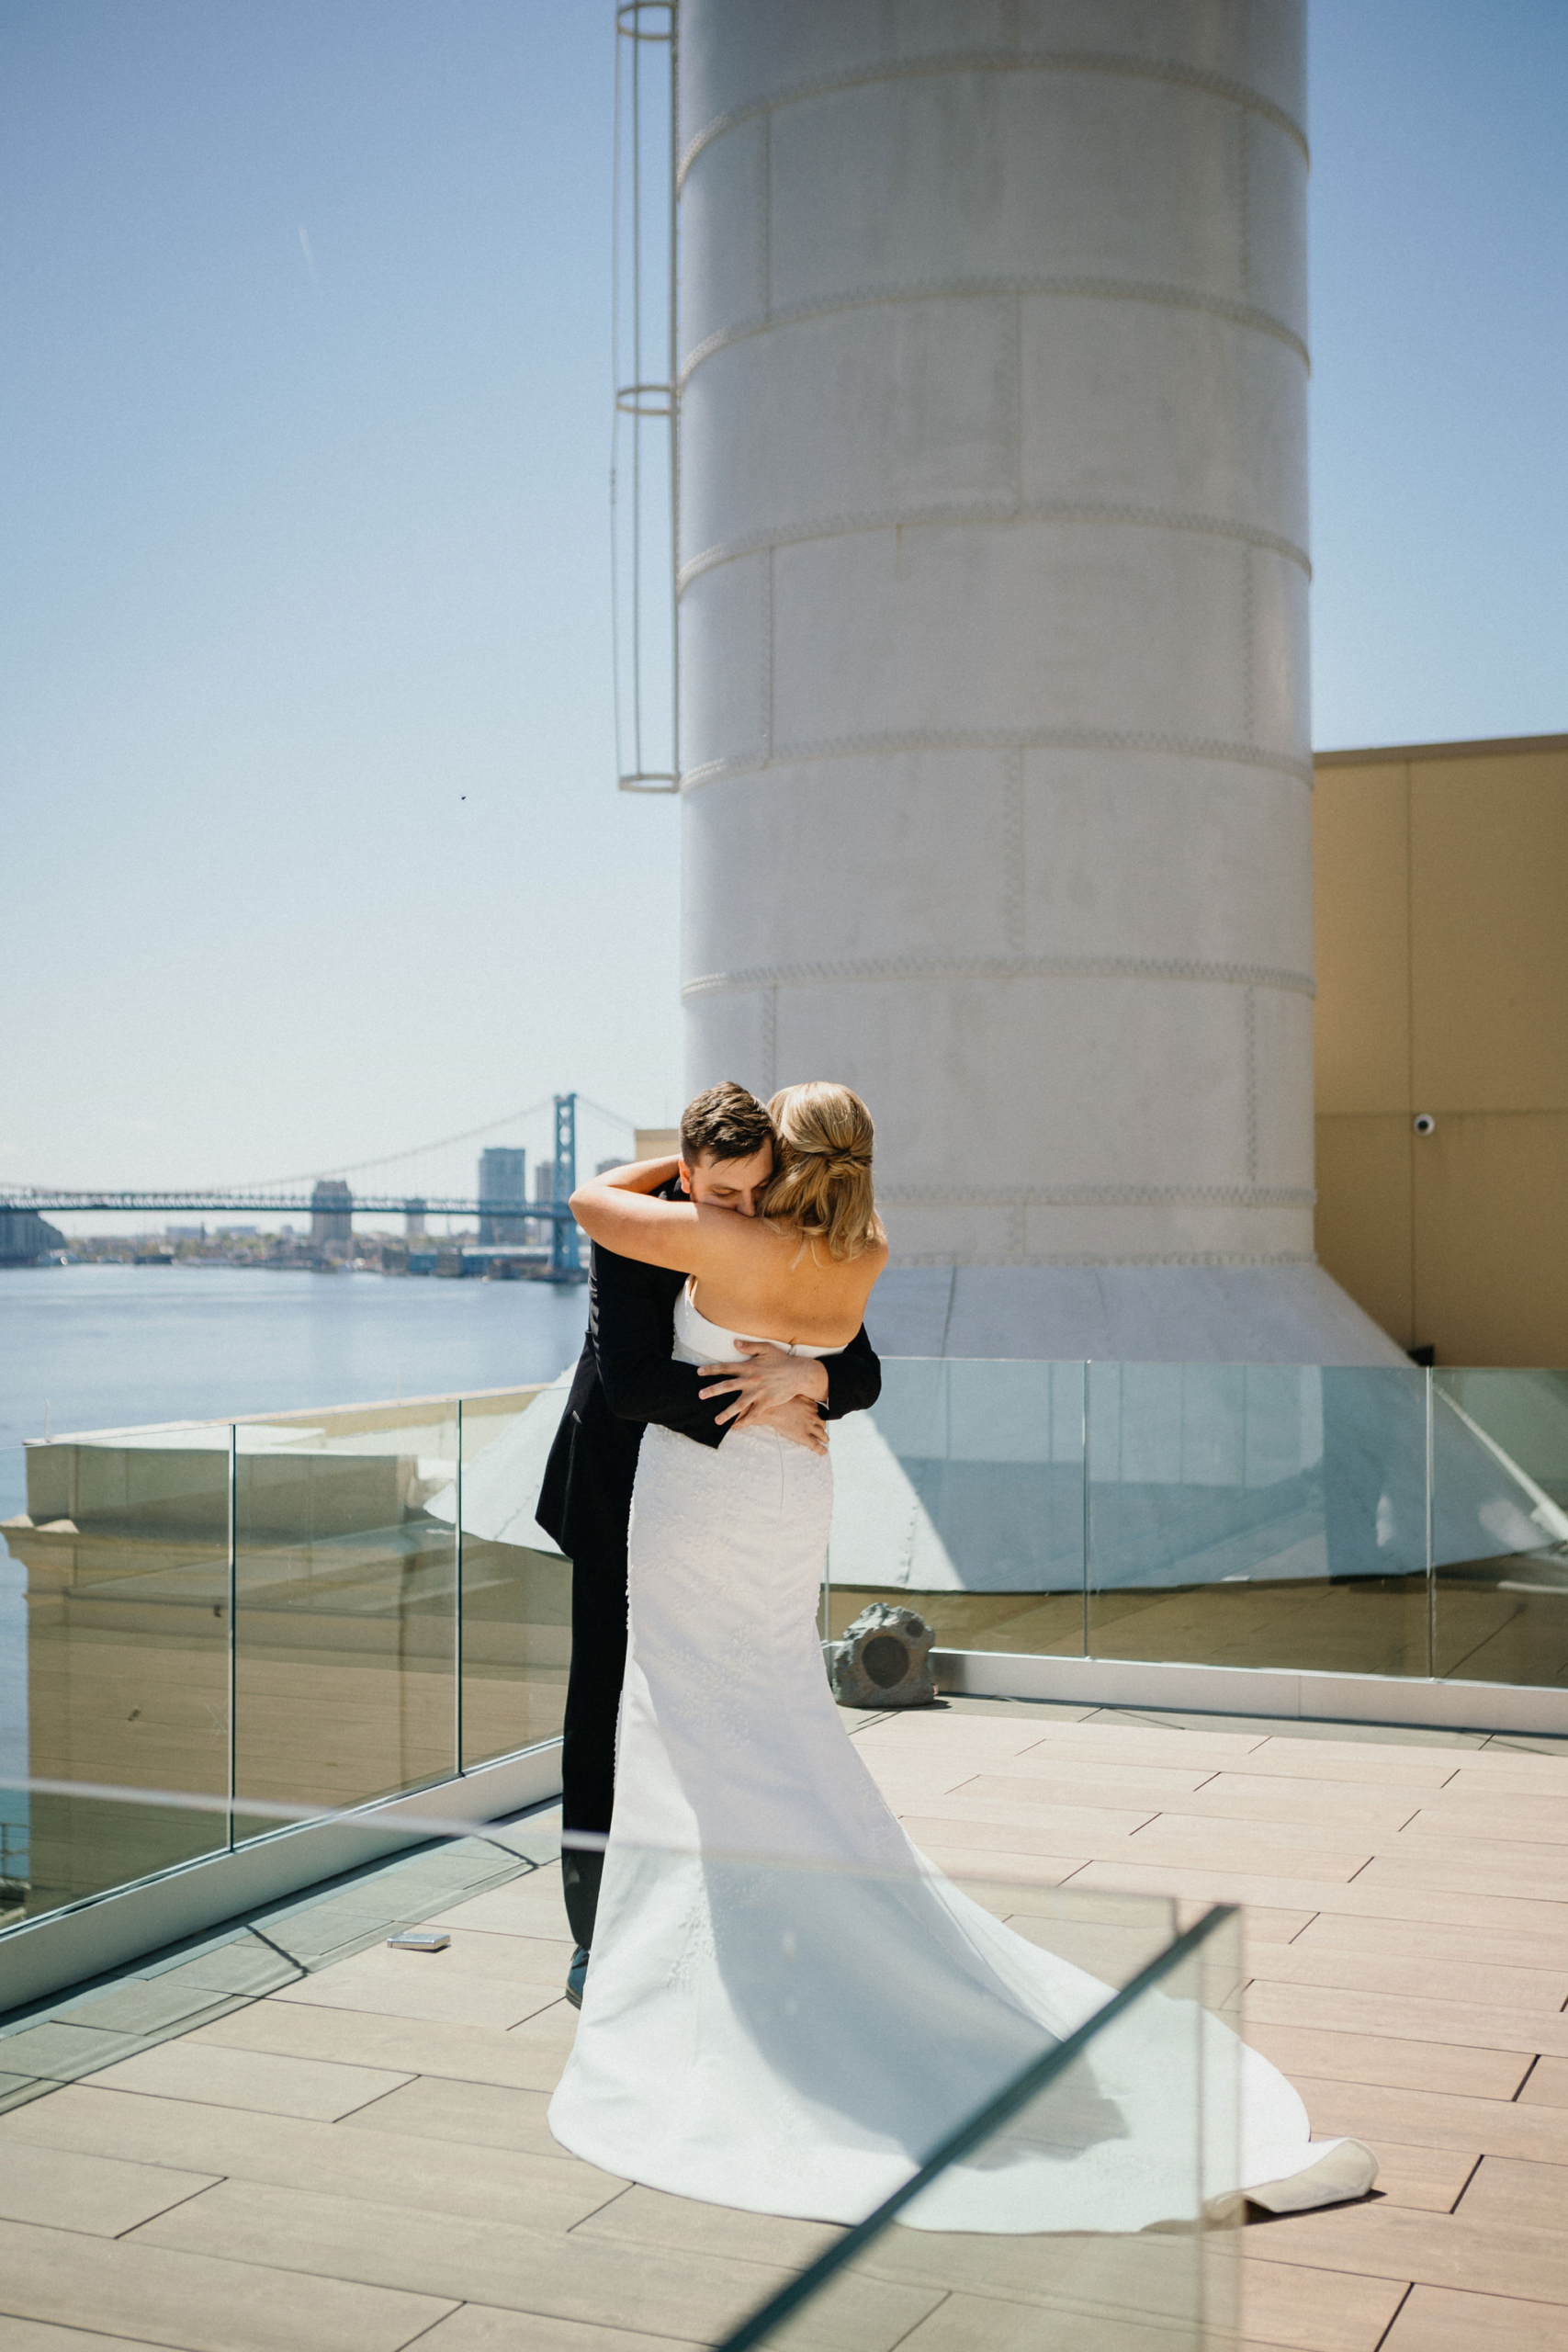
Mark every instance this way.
x=417 y=1151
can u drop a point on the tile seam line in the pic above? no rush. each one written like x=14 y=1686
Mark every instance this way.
x=1394 y=2315
x=508 y=2311
x=1383 y=2033
x=215 y=2180
x=111 y=2335
x=944 y=2296
x=409 y=2342
x=1518 y=2092
x=1396 y=2279
x=1469 y=2178
x=1109 y=62
x=614 y=2197
x=1004 y=510
x=1068 y=287
x=535 y=2235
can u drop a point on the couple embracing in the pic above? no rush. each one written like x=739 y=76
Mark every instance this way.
x=784 y=2007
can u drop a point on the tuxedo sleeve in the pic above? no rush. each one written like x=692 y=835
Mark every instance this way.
x=629 y=1326
x=854 y=1378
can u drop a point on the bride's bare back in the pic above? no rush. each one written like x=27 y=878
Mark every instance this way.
x=772 y=1285
x=750 y=1278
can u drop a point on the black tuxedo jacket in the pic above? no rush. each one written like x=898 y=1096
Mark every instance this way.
x=626 y=1377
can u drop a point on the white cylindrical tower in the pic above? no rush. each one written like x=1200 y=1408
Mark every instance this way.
x=993 y=576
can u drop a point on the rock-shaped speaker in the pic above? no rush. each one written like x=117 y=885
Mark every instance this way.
x=883 y=1660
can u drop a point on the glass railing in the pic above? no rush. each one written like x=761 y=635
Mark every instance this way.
x=325 y=1609
x=1025 y=2106
x=1259 y=1515
x=1016 y=2227
x=311 y=1610
x=120 y=1662
x=1499 y=1525
x=1379 y=1521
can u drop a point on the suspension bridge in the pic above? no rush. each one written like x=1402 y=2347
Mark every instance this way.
x=331 y=1203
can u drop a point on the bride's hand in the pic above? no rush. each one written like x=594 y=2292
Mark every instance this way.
x=770 y=1377
x=796 y=1419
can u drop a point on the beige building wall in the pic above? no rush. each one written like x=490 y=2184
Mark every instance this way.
x=1441 y=895
x=655 y=1143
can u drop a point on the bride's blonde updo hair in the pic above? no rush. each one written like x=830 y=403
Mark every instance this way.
x=821 y=1186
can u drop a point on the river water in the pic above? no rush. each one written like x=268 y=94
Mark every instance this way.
x=96 y=1347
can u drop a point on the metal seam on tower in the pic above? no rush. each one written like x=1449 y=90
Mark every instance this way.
x=1015 y=915
x=1127 y=1258
x=766 y=634
x=1002 y=968
x=1093 y=290
x=1001 y=510
x=1252 y=1086
x=978 y=738
x=1249 y=698
x=1189 y=77
x=1244 y=206
x=1076 y=1196
x=1013 y=397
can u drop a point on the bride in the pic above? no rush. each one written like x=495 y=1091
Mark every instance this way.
x=788 y=2008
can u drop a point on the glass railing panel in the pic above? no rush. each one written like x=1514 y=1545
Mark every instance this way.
x=1085 y=2204
x=1259 y=1515
x=852 y=2022
x=1500 y=1525
x=114 y=1636
x=345 y=1619
x=15 y=1811
x=960 y=1494
x=516 y=1586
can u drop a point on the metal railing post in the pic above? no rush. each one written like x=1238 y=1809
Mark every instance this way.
x=1431 y=1559
x=1085 y=1518
x=234 y=1523
x=457 y=1608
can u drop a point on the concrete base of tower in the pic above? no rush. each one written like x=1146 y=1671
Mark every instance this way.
x=1291 y=1313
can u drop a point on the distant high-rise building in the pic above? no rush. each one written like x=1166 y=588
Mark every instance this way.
x=502 y=1180
x=25 y=1237
x=544 y=1190
x=332 y=1210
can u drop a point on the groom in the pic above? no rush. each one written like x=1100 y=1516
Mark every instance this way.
x=626 y=1377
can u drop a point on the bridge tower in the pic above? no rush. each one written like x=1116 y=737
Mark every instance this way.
x=566 y=1261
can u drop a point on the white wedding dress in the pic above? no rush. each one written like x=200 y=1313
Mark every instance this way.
x=787 y=2006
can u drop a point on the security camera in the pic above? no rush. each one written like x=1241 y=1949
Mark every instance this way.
x=1425 y=1122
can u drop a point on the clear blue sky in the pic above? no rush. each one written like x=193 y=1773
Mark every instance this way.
x=306 y=540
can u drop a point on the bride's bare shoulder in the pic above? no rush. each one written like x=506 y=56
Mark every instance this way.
x=871 y=1263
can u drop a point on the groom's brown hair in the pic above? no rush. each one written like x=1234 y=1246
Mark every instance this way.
x=725 y=1121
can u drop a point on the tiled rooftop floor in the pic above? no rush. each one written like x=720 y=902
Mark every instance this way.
x=358 y=2158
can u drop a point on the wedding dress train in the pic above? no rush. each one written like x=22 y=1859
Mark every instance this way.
x=788 y=2008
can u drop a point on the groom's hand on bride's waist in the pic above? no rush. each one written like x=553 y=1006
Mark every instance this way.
x=773 y=1389
x=769 y=1377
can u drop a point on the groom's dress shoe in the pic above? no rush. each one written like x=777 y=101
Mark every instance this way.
x=577 y=1976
